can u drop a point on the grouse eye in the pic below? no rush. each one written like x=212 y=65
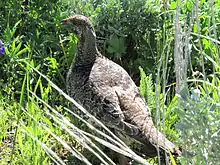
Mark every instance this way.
x=76 y=30
x=64 y=22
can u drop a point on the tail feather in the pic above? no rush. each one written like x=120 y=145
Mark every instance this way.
x=138 y=114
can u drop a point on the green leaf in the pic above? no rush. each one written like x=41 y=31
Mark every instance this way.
x=194 y=28
x=22 y=51
x=17 y=48
x=189 y=6
x=173 y=6
x=205 y=43
x=7 y=52
x=173 y=162
x=16 y=24
x=116 y=46
x=12 y=32
x=20 y=142
x=13 y=45
x=110 y=50
x=146 y=88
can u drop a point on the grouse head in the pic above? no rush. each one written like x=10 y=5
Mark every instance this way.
x=80 y=25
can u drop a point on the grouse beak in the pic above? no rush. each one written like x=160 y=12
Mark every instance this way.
x=64 y=22
x=67 y=23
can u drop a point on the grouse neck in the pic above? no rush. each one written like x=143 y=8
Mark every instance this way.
x=86 y=51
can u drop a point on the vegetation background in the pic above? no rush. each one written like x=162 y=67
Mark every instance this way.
x=170 y=48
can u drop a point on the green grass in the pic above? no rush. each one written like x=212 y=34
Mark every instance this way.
x=37 y=123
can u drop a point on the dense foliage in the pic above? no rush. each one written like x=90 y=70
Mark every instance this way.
x=142 y=36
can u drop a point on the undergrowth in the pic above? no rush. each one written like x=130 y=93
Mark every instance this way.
x=36 y=125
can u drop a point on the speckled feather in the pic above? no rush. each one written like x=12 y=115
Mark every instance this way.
x=108 y=92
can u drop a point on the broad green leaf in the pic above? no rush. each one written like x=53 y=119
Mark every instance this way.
x=188 y=6
x=110 y=50
x=205 y=43
x=173 y=6
x=116 y=46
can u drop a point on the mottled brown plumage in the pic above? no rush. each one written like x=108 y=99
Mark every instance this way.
x=108 y=92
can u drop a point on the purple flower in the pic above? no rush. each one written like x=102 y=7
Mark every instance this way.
x=2 y=48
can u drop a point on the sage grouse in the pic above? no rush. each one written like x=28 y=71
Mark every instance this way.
x=108 y=92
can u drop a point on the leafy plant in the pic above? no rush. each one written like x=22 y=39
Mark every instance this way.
x=147 y=90
x=199 y=127
x=131 y=32
x=116 y=47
